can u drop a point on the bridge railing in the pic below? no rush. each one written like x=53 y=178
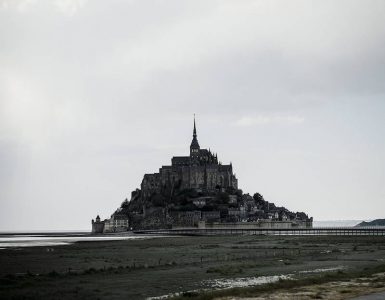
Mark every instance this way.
x=349 y=231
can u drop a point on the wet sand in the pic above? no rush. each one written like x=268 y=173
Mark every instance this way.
x=55 y=239
x=138 y=269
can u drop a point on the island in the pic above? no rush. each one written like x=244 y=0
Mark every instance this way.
x=197 y=191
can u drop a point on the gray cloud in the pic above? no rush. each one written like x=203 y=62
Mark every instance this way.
x=93 y=95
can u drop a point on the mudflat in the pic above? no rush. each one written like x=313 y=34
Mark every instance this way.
x=138 y=269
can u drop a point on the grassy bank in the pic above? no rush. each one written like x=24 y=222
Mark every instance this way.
x=136 y=269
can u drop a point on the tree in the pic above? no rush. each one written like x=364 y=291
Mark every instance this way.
x=258 y=198
x=124 y=203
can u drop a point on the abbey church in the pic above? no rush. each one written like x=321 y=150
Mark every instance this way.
x=196 y=191
x=200 y=171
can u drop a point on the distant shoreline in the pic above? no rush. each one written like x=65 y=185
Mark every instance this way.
x=316 y=223
x=45 y=233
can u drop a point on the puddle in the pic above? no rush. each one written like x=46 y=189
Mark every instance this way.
x=223 y=283
x=21 y=241
x=243 y=281
x=227 y=283
x=321 y=270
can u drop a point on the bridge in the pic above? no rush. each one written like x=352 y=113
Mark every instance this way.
x=340 y=231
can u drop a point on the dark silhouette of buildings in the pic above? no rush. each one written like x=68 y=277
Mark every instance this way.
x=200 y=171
x=197 y=191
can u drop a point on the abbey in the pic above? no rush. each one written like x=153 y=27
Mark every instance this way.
x=196 y=191
x=200 y=171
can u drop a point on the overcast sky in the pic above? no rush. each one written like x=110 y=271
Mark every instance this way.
x=93 y=94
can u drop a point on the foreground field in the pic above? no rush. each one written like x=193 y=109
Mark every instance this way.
x=137 y=269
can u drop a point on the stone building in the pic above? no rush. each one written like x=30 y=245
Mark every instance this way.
x=117 y=223
x=211 y=215
x=97 y=225
x=186 y=218
x=201 y=171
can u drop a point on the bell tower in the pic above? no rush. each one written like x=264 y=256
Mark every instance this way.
x=194 y=147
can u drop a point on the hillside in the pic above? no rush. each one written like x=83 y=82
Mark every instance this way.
x=377 y=222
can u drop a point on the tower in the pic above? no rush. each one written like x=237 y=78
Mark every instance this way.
x=194 y=147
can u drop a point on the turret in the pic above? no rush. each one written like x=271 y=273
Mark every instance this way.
x=97 y=225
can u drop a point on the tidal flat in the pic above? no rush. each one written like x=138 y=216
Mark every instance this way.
x=193 y=267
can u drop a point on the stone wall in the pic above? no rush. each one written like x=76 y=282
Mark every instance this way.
x=261 y=224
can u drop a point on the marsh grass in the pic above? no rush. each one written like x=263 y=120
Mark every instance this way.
x=146 y=268
x=225 y=270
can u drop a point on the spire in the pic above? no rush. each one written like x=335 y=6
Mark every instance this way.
x=194 y=147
